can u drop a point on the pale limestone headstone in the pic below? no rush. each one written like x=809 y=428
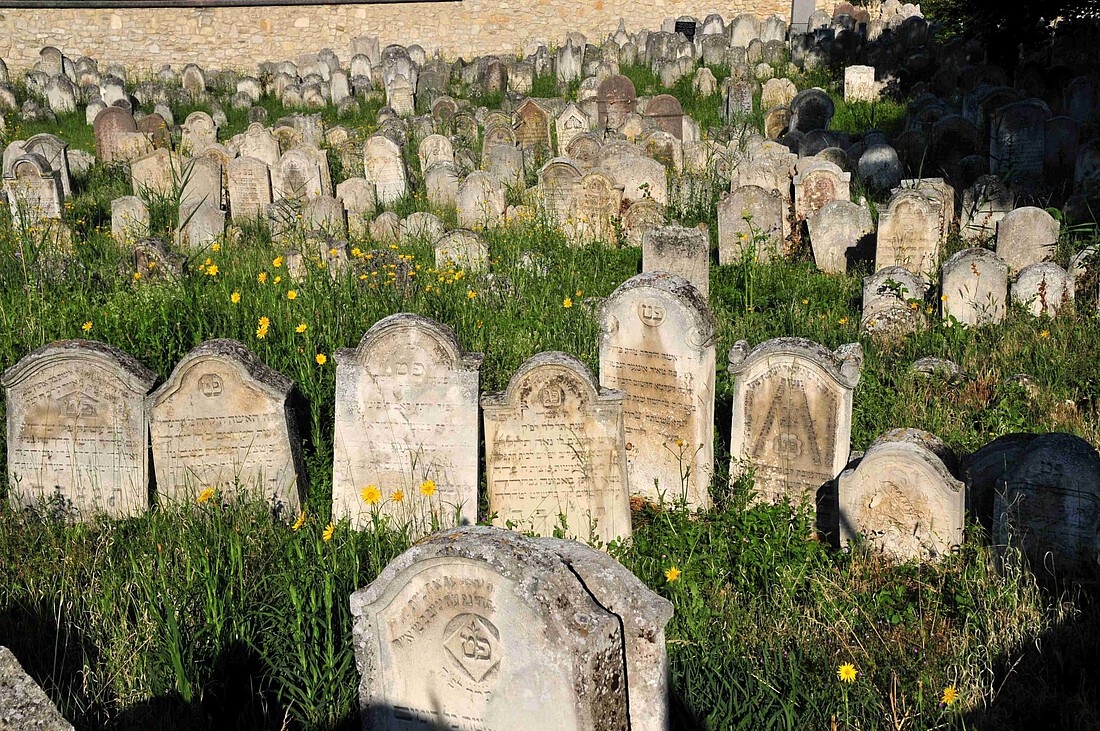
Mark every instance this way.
x=1026 y=236
x=975 y=287
x=258 y=142
x=596 y=203
x=777 y=93
x=751 y=218
x=77 y=429
x=902 y=498
x=570 y=124
x=554 y=451
x=684 y=252
x=838 y=231
x=55 y=151
x=421 y=225
x=1048 y=504
x=406 y=414
x=461 y=250
x=909 y=233
x=641 y=217
x=359 y=202
x=384 y=167
x=441 y=183
x=792 y=414
x=818 y=183
x=199 y=131
x=33 y=191
x=480 y=628
x=480 y=201
x=200 y=180
x=860 y=84
x=249 y=185
x=298 y=176
x=1043 y=289
x=557 y=179
x=156 y=173
x=200 y=225
x=433 y=149
x=24 y=705
x=657 y=344
x=222 y=420
x=129 y=219
x=640 y=177
x=532 y=127
x=893 y=300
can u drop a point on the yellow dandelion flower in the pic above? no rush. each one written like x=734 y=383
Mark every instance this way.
x=843 y=321
x=300 y=522
x=913 y=306
x=579 y=293
x=276 y=280
x=397 y=496
x=212 y=270
x=86 y=326
x=470 y=294
x=216 y=247
x=262 y=277
x=205 y=495
x=329 y=530
x=567 y=303
x=1045 y=334
x=846 y=672
x=277 y=262
x=235 y=297
x=950 y=695
x=291 y=294
x=673 y=574
x=371 y=494
x=806 y=301
x=321 y=359
x=265 y=322
x=137 y=275
x=427 y=488
x=301 y=328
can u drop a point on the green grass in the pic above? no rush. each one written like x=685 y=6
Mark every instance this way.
x=213 y=616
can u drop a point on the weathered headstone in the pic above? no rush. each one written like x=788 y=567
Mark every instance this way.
x=222 y=420
x=1043 y=289
x=751 y=218
x=596 y=203
x=200 y=225
x=669 y=384
x=555 y=453
x=984 y=204
x=684 y=252
x=108 y=125
x=200 y=180
x=33 y=191
x=902 y=497
x=860 y=85
x=129 y=219
x=792 y=414
x=157 y=173
x=77 y=429
x=556 y=182
x=893 y=300
x=909 y=233
x=406 y=418
x=665 y=113
x=1017 y=143
x=384 y=167
x=258 y=142
x=975 y=287
x=480 y=201
x=811 y=109
x=569 y=124
x=249 y=186
x=532 y=127
x=817 y=184
x=298 y=176
x=616 y=99
x=1026 y=236
x=433 y=149
x=199 y=132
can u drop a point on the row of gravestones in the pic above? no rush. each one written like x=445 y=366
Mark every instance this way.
x=561 y=448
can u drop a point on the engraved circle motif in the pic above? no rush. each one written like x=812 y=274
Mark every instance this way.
x=651 y=314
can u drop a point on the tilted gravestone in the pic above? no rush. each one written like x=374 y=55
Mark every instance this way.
x=108 y=126
x=975 y=287
x=751 y=219
x=792 y=414
x=298 y=176
x=1043 y=289
x=157 y=173
x=24 y=705
x=1026 y=236
x=406 y=414
x=77 y=429
x=483 y=628
x=129 y=219
x=1048 y=504
x=596 y=203
x=222 y=420
x=839 y=232
x=554 y=451
x=571 y=123
x=818 y=183
x=435 y=148
x=461 y=250
x=480 y=202
x=902 y=497
x=893 y=302
x=33 y=191
x=984 y=204
x=657 y=344
x=684 y=252
x=811 y=109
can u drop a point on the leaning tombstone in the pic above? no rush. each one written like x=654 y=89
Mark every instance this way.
x=200 y=225
x=24 y=705
x=77 y=429
x=222 y=420
x=1026 y=236
x=1043 y=289
x=792 y=415
x=811 y=109
x=33 y=191
x=201 y=182
x=406 y=425
x=595 y=205
x=985 y=468
x=514 y=623
x=909 y=233
x=129 y=218
x=555 y=458
x=818 y=183
x=684 y=252
x=657 y=341
x=751 y=219
x=840 y=232
x=480 y=201
x=860 y=85
x=893 y=299
x=109 y=124
x=155 y=174
x=902 y=497
x=1049 y=504
x=975 y=287
x=55 y=151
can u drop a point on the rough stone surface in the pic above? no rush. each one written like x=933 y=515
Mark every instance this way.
x=24 y=706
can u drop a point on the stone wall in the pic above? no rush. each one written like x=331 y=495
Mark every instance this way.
x=240 y=37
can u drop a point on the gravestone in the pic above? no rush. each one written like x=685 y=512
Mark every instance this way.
x=441 y=183
x=200 y=182
x=984 y=204
x=792 y=414
x=1043 y=289
x=249 y=186
x=222 y=420
x=298 y=176
x=893 y=300
x=155 y=128
x=461 y=250
x=1049 y=504
x=569 y=124
x=839 y=232
x=77 y=429
x=54 y=151
x=777 y=93
x=554 y=451
x=641 y=217
x=975 y=287
x=358 y=197
x=902 y=498
x=480 y=201
x=198 y=132
x=155 y=174
x=109 y=124
x=596 y=204
x=153 y=259
x=433 y=149
x=406 y=416
x=860 y=85
x=384 y=167
x=1017 y=143
x=811 y=109
x=641 y=177
x=616 y=100
x=657 y=344
x=665 y=113
x=776 y=122
x=325 y=213
x=684 y=252
x=817 y=184
x=557 y=179
x=200 y=225
x=751 y=218
x=24 y=705
x=129 y=219
x=1026 y=236
x=258 y=142
x=880 y=168
x=909 y=233
x=482 y=628
x=33 y=192
x=532 y=127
